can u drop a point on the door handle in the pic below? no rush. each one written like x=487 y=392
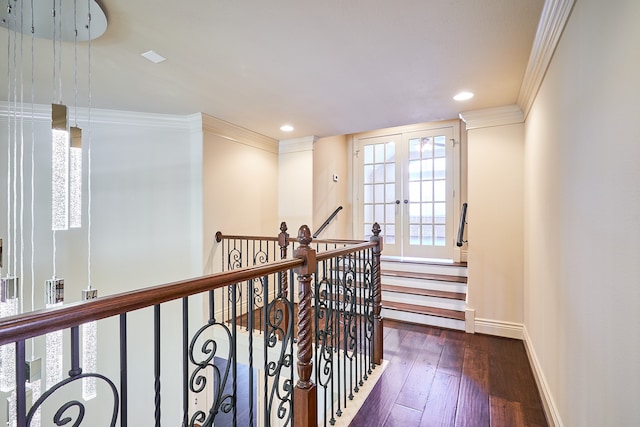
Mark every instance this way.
x=397 y=202
x=406 y=201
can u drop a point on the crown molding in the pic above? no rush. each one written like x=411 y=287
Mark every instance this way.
x=40 y=112
x=238 y=134
x=297 y=144
x=553 y=20
x=499 y=116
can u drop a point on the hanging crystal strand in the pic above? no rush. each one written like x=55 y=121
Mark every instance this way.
x=54 y=297
x=54 y=287
x=75 y=150
x=89 y=330
x=8 y=284
x=34 y=364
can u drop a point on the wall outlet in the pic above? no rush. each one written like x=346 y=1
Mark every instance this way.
x=335 y=177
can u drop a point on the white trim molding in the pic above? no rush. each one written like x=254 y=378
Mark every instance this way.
x=488 y=117
x=42 y=113
x=549 y=405
x=555 y=15
x=296 y=145
x=499 y=328
x=235 y=133
x=470 y=321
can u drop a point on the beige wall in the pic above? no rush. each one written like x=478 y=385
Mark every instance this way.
x=330 y=157
x=295 y=183
x=240 y=184
x=495 y=215
x=582 y=222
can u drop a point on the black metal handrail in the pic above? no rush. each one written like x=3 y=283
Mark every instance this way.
x=463 y=221
x=326 y=223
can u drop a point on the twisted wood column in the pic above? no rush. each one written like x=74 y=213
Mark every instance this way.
x=283 y=243
x=377 y=295
x=283 y=297
x=305 y=399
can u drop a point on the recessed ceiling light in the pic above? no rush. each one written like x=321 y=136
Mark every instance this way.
x=153 y=57
x=286 y=128
x=463 y=96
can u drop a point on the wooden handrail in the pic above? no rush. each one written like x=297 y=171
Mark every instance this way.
x=322 y=256
x=327 y=221
x=220 y=237
x=40 y=322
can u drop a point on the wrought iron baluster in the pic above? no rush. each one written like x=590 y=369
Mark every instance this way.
x=123 y=371
x=234 y=354
x=185 y=360
x=21 y=378
x=265 y=322
x=251 y=328
x=156 y=362
x=75 y=352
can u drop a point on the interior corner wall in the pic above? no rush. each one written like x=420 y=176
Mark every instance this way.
x=295 y=183
x=495 y=226
x=240 y=192
x=582 y=222
x=330 y=157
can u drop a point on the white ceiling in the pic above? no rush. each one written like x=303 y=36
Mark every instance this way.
x=326 y=67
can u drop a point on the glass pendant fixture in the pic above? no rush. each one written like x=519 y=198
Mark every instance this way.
x=89 y=350
x=59 y=167
x=33 y=391
x=75 y=178
x=34 y=388
x=8 y=307
x=54 y=297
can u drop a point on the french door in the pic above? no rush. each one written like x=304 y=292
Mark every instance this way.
x=406 y=185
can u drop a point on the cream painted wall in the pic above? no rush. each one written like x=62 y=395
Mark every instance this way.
x=330 y=157
x=145 y=231
x=295 y=183
x=495 y=218
x=582 y=222
x=240 y=177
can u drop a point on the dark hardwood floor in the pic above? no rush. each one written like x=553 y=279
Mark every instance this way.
x=438 y=377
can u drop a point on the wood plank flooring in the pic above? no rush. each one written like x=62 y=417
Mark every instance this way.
x=439 y=377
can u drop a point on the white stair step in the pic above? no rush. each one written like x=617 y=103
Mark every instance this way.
x=426 y=301
x=451 y=268
x=424 y=284
x=423 y=319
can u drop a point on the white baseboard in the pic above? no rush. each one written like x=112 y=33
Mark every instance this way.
x=470 y=321
x=548 y=404
x=499 y=328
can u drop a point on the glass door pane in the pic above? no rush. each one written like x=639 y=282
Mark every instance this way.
x=427 y=219
x=380 y=189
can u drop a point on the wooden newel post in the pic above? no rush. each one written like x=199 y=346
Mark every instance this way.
x=283 y=297
x=305 y=399
x=377 y=295
x=283 y=242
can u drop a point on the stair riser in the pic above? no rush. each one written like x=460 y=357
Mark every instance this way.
x=451 y=270
x=426 y=301
x=435 y=285
x=423 y=319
